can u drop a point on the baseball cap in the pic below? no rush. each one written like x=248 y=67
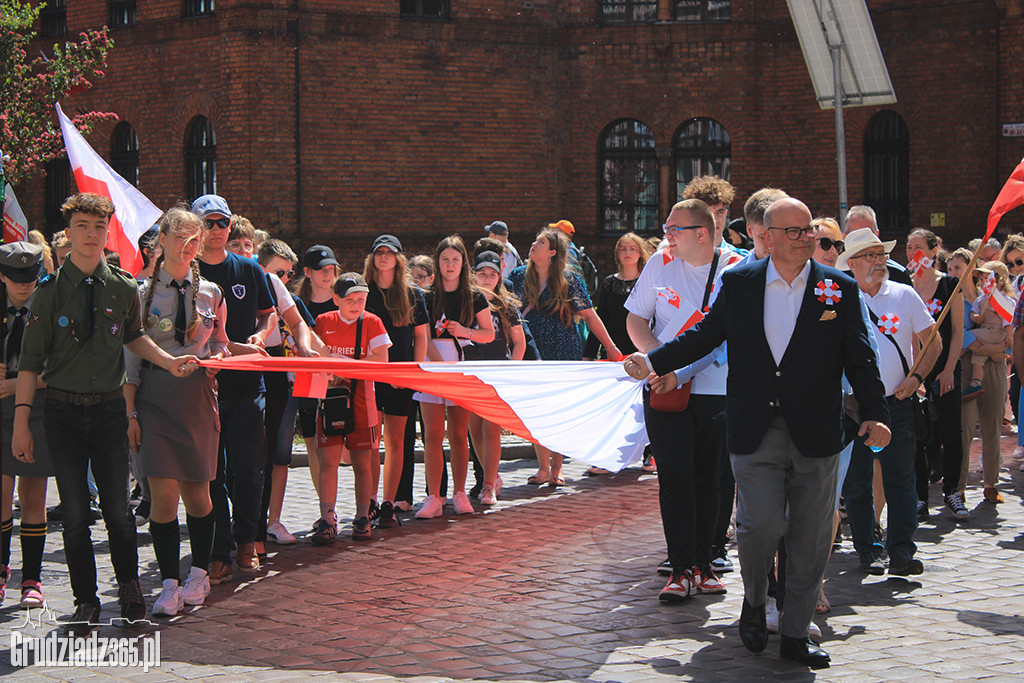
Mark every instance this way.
x=21 y=261
x=565 y=226
x=347 y=283
x=497 y=227
x=210 y=204
x=318 y=256
x=487 y=259
x=389 y=241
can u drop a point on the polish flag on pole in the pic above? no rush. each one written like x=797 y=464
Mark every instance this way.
x=589 y=411
x=1010 y=197
x=15 y=223
x=133 y=215
x=1002 y=305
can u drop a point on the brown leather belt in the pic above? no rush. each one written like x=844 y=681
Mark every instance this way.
x=82 y=399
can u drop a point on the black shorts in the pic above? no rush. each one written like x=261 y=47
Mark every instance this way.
x=393 y=400
x=307 y=417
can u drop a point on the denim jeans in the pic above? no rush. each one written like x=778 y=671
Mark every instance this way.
x=689 y=448
x=898 y=480
x=240 y=463
x=96 y=435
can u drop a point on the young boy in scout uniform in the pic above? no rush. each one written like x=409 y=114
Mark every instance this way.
x=80 y=320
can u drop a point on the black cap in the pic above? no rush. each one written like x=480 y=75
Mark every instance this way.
x=21 y=261
x=348 y=283
x=389 y=241
x=318 y=256
x=488 y=259
x=497 y=227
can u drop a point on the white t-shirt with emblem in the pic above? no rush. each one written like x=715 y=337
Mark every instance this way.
x=902 y=313
x=668 y=291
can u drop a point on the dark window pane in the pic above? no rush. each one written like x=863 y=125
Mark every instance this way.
x=58 y=188
x=124 y=153
x=702 y=147
x=198 y=8
x=703 y=10
x=629 y=178
x=426 y=9
x=887 y=171
x=122 y=13
x=628 y=11
x=200 y=159
x=53 y=18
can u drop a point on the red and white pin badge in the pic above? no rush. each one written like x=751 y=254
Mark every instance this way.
x=828 y=292
x=889 y=323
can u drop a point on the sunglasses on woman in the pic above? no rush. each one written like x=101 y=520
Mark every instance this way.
x=1017 y=262
x=827 y=243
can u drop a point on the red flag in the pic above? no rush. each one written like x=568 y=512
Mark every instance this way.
x=133 y=215
x=1010 y=197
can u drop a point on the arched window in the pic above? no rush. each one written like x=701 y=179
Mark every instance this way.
x=200 y=158
x=124 y=152
x=702 y=147
x=887 y=171
x=628 y=171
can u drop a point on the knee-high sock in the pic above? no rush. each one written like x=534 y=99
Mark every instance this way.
x=33 y=538
x=200 y=534
x=6 y=529
x=167 y=546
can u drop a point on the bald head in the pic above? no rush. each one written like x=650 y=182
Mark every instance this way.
x=783 y=207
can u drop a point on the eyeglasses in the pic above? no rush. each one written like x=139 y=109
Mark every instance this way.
x=827 y=243
x=282 y=274
x=224 y=223
x=673 y=229
x=876 y=257
x=419 y=278
x=794 y=233
x=1017 y=262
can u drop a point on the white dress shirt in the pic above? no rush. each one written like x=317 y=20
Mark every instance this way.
x=782 y=303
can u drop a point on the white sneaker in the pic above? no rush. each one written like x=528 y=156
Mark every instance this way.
x=498 y=483
x=197 y=586
x=771 y=615
x=432 y=507
x=487 y=495
x=170 y=601
x=813 y=631
x=403 y=505
x=279 y=534
x=460 y=501
x=1018 y=453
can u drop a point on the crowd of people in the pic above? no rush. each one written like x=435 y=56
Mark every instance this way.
x=742 y=426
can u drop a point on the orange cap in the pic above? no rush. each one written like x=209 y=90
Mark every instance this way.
x=565 y=226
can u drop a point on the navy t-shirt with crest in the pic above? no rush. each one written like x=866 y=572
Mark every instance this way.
x=246 y=293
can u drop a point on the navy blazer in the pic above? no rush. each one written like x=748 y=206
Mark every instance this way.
x=806 y=387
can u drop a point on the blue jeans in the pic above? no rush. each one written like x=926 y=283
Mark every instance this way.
x=898 y=479
x=243 y=453
x=96 y=436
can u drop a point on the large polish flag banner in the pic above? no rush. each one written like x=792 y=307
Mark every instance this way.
x=589 y=411
x=1010 y=197
x=133 y=215
x=15 y=223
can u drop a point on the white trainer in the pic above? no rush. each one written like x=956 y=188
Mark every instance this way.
x=170 y=601
x=432 y=507
x=487 y=495
x=279 y=534
x=197 y=586
x=460 y=501
x=771 y=615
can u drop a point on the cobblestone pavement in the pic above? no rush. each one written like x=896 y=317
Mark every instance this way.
x=560 y=585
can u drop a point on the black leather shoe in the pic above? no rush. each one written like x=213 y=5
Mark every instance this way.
x=870 y=564
x=804 y=651
x=753 y=628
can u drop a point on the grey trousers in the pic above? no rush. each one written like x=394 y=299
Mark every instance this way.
x=780 y=492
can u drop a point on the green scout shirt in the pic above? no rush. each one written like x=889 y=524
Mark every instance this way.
x=56 y=333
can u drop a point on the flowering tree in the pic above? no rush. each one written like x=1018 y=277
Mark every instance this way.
x=29 y=89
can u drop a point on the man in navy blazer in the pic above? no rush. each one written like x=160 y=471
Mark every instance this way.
x=793 y=328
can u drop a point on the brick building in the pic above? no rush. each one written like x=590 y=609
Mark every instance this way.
x=336 y=120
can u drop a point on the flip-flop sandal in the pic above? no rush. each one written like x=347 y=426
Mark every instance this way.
x=596 y=472
x=537 y=480
x=555 y=482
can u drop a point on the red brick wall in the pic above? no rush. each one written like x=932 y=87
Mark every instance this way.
x=423 y=128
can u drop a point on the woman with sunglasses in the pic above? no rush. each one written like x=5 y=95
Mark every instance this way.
x=827 y=243
x=943 y=381
x=403 y=309
x=1013 y=256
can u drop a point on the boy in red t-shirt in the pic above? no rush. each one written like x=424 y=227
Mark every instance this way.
x=337 y=330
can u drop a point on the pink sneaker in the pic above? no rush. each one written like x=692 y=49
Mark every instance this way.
x=31 y=594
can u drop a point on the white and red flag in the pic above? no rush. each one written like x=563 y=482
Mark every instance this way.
x=15 y=223
x=1002 y=305
x=685 y=317
x=133 y=215
x=919 y=263
x=589 y=411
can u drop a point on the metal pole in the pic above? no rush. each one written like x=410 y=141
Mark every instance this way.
x=837 y=94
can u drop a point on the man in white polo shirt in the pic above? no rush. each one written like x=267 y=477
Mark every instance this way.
x=901 y=324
